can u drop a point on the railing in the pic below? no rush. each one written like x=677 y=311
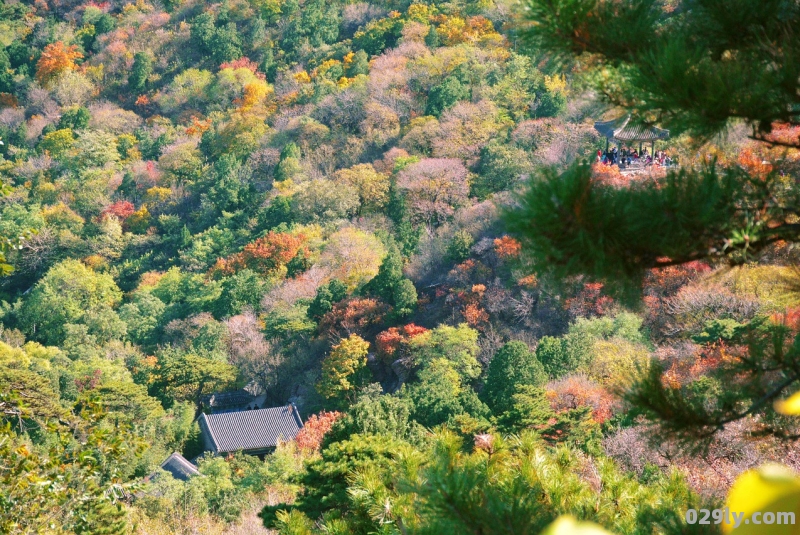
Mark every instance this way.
x=639 y=167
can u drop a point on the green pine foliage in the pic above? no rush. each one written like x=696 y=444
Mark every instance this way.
x=513 y=366
x=495 y=486
x=141 y=69
x=571 y=225
x=326 y=297
x=445 y=95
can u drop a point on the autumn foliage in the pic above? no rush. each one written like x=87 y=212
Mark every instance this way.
x=351 y=316
x=393 y=339
x=590 y=301
x=267 y=255
x=317 y=425
x=577 y=391
x=243 y=63
x=120 y=209
x=56 y=58
x=507 y=247
x=699 y=363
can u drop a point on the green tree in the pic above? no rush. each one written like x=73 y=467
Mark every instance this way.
x=124 y=398
x=289 y=163
x=68 y=294
x=104 y=24
x=76 y=118
x=142 y=316
x=458 y=345
x=327 y=296
x=390 y=273
x=376 y=414
x=445 y=95
x=187 y=377
x=142 y=68
x=58 y=143
x=391 y=286
x=432 y=37
x=404 y=298
x=344 y=369
x=244 y=289
x=202 y=31
x=277 y=212
x=498 y=486
x=225 y=499
x=529 y=409
x=359 y=65
x=6 y=78
x=576 y=349
x=319 y=22
x=440 y=397
x=500 y=168
x=32 y=396
x=512 y=366
x=226 y=45
x=325 y=481
x=185 y=294
x=459 y=247
x=93 y=466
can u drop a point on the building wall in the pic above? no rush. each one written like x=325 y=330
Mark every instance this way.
x=208 y=444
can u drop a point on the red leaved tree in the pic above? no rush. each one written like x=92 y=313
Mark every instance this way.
x=310 y=436
x=576 y=391
x=353 y=316
x=267 y=255
x=589 y=302
x=244 y=63
x=507 y=247
x=122 y=210
x=391 y=341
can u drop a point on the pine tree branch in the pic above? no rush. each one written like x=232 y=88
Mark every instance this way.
x=774 y=142
x=758 y=404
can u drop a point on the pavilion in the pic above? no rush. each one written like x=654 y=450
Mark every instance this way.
x=625 y=131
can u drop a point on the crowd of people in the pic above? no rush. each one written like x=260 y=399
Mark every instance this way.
x=626 y=157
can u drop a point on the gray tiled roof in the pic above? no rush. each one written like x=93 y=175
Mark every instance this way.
x=177 y=465
x=624 y=129
x=251 y=430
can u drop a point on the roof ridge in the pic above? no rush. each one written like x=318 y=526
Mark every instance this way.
x=296 y=414
x=210 y=431
x=181 y=459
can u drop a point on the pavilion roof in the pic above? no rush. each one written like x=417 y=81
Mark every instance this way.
x=626 y=130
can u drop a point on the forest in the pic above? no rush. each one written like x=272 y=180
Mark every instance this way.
x=395 y=220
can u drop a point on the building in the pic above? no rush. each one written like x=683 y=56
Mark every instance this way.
x=255 y=432
x=625 y=131
x=177 y=465
x=246 y=399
